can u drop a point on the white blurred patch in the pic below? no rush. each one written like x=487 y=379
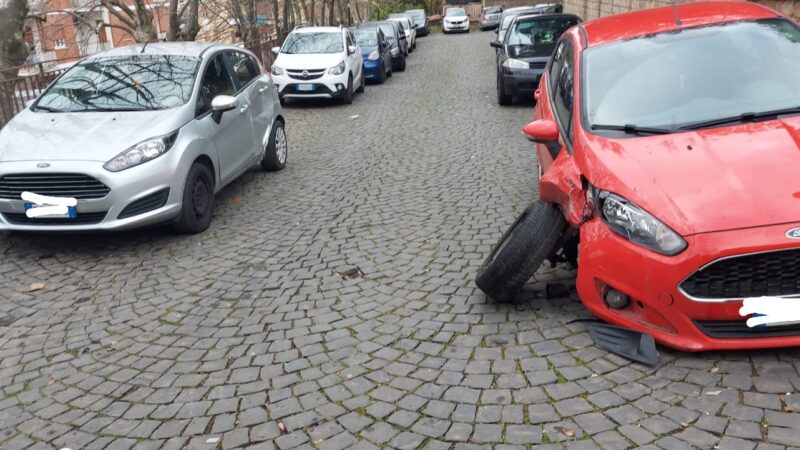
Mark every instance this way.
x=771 y=311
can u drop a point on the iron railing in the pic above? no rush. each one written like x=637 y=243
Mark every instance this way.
x=24 y=84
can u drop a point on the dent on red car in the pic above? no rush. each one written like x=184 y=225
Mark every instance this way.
x=729 y=192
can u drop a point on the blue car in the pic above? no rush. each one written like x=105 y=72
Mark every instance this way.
x=376 y=51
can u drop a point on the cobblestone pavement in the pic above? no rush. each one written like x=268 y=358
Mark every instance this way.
x=332 y=305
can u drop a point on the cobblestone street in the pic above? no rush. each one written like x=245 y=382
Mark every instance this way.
x=332 y=305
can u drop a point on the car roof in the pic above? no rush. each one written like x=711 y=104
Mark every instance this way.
x=190 y=49
x=518 y=8
x=524 y=17
x=657 y=20
x=317 y=30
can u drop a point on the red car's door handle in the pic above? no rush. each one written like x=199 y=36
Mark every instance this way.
x=537 y=93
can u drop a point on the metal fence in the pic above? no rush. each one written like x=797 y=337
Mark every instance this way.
x=18 y=90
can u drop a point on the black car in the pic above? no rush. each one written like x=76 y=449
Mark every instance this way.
x=420 y=20
x=396 y=38
x=525 y=51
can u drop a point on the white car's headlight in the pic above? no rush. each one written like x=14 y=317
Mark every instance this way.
x=515 y=64
x=395 y=51
x=337 y=69
x=277 y=70
x=374 y=55
x=141 y=153
x=636 y=224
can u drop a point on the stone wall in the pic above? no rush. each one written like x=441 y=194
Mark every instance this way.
x=591 y=9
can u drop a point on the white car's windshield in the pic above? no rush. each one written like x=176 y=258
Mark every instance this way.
x=455 y=12
x=684 y=78
x=122 y=83
x=311 y=42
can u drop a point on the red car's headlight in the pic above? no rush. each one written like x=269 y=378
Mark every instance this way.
x=636 y=224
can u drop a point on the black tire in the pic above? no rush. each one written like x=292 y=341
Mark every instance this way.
x=391 y=71
x=502 y=98
x=521 y=250
x=197 y=205
x=382 y=74
x=347 y=97
x=277 y=149
x=402 y=66
x=363 y=84
x=282 y=100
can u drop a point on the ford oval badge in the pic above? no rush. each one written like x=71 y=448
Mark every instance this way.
x=43 y=165
x=794 y=233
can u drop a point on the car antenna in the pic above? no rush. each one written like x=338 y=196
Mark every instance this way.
x=677 y=14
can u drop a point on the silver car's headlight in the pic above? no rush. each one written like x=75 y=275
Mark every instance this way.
x=374 y=55
x=515 y=64
x=142 y=152
x=637 y=225
x=277 y=70
x=337 y=69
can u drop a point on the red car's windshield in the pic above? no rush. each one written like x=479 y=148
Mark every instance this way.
x=693 y=76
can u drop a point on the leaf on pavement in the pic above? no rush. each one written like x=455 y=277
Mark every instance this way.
x=36 y=287
x=568 y=432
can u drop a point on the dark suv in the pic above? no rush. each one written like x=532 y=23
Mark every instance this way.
x=524 y=52
x=420 y=20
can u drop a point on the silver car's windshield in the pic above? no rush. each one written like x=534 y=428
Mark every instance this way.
x=418 y=15
x=122 y=83
x=305 y=43
x=686 y=78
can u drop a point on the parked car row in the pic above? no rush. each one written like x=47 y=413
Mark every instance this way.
x=336 y=62
x=668 y=143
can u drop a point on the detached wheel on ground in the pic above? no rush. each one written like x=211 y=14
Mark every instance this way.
x=198 y=200
x=277 y=149
x=521 y=251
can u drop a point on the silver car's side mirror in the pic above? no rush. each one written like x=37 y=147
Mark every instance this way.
x=220 y=104
x=276 y=50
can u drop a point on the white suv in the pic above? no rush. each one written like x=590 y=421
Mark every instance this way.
x=319 y=62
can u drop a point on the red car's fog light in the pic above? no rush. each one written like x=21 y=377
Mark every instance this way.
x=624 y=305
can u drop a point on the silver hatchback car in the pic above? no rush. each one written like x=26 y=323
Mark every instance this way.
x=139 y=135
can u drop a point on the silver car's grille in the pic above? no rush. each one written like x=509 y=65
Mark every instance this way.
x=55 y=184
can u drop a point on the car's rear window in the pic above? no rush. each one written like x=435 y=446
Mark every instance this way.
x=678 y=78
x=492 y=10
x=538 y=37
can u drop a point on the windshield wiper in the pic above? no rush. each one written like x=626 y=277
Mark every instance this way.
x=742 y=118
x=46 y=108
x=103 y=109
x=632 y=129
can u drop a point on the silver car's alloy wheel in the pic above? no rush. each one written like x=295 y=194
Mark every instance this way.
x=281 y=148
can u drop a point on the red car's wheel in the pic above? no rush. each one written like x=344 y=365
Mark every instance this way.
x=521 y=250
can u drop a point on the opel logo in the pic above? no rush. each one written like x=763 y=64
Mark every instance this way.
x=43 y=165
x=794 y=233
x=305 y=74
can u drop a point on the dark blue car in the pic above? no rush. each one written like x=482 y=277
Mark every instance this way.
x=376 y=51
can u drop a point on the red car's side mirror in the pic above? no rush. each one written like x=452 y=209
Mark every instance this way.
x=541 y=131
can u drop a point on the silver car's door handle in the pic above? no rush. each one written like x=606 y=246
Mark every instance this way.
x=263 y=89
x=244 y=108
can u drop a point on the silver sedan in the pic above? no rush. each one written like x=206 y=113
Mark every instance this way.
x=139 y=135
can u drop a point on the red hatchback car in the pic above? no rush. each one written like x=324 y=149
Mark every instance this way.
x=669 y=145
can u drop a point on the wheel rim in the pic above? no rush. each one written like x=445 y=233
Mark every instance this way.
x=281 y=148
x=200 y=198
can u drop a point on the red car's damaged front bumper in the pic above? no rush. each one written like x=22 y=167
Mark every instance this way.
x=658 y=306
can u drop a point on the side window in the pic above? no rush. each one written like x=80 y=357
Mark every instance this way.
x=243 y=69
x=216 y=81
x=555 y=63
x=349 y=39
x=563 y=95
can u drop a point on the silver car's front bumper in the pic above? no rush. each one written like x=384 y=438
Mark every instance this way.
x=125 y=187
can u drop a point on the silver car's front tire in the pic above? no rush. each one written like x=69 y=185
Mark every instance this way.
x=197 y=206
x=277 y=149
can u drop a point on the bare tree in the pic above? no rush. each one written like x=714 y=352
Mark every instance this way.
x=13 y=49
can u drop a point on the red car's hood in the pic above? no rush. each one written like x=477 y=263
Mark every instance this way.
x=710 y=180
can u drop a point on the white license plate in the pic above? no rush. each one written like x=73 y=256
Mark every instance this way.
x=68 y=212
x=305 y=87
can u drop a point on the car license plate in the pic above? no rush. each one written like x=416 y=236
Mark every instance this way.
x=71 y=213
x=305 y=87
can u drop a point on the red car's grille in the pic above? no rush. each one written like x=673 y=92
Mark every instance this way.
x=738 y=329
x=772 y=273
